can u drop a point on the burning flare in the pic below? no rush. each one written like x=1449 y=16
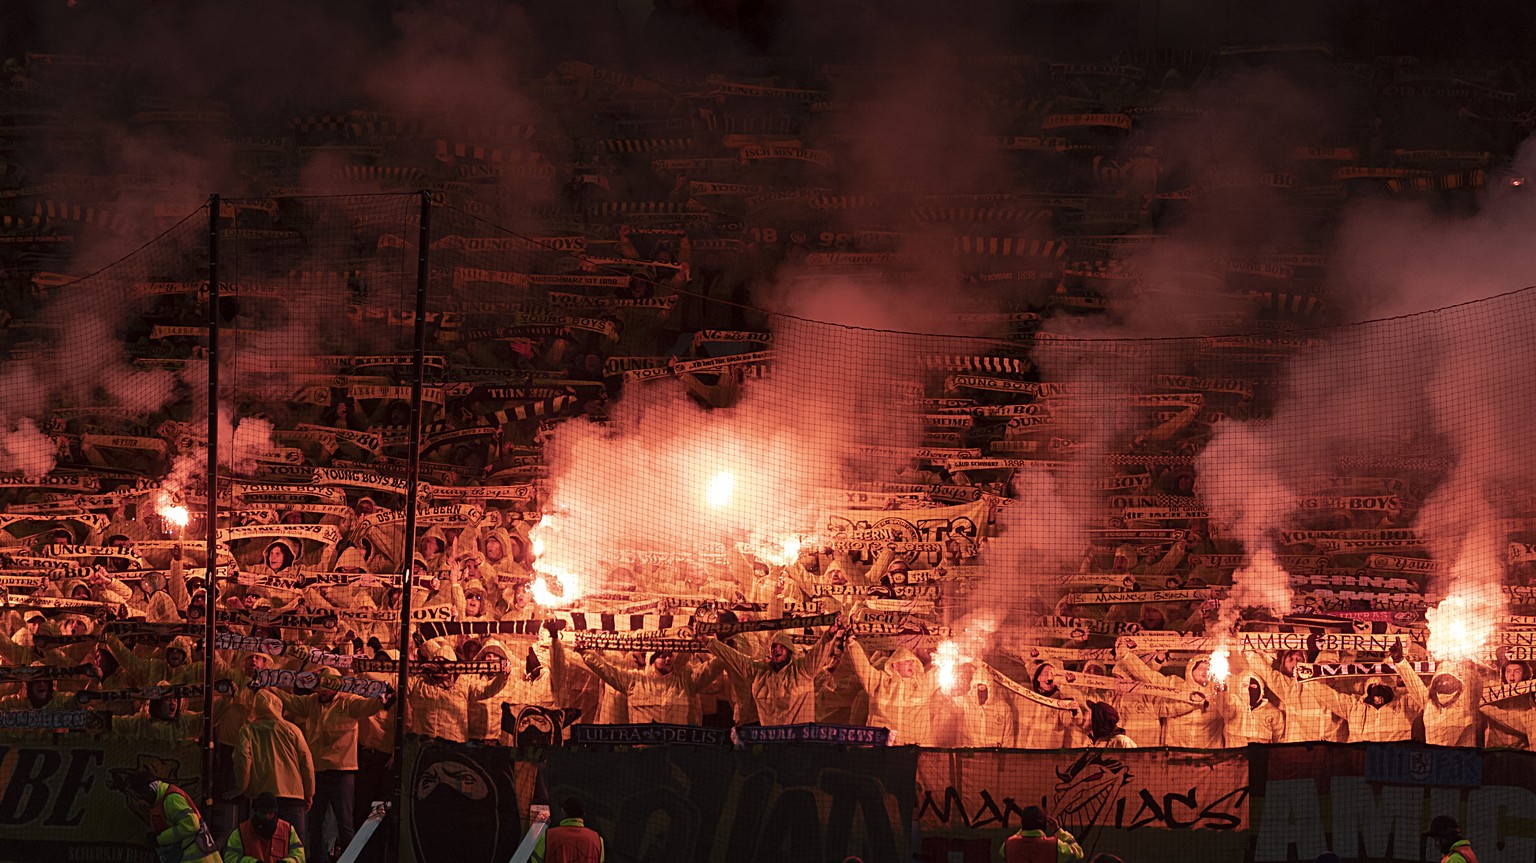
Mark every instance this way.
x=176 y=515
x=1219 y=668
x=170 y=511
x=547 y=573
x=946 y=658
x=1459 y=627
x=720 y=489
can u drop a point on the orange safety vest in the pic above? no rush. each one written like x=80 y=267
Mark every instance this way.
x=266 y=850
x=1030 y=849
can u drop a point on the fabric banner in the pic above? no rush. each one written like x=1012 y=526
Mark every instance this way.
x=925 y=533
x=666 y=640
x=786 y=802
x=1137 y=803
x=728 y=629
x=812 y=732
x=1371 y=802
x=1029 y=694
x=68 y=797
x=290 y=679
x=428 y=666
x=27 y=673
x=54 y=720
x=225 y=640
x=1505 y=691
x=648 y=735
x=1281 y=641
x=577 y=621
x=1139 y=596
x=1312 y=671
x=466 y=803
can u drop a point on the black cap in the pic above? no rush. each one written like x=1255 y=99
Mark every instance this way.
x=1443 y=827
x=1032 y=818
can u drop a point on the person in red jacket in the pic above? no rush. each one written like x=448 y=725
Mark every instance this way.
x=571 y=841
x=264 y=837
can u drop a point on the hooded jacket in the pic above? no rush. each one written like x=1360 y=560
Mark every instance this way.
x=439 y=707
x=1041 y=726
x=1250 y=720
x=1521 y=721
x=146 y=671
x=1306 y=708
x=655 y=697
x=902 y=704
x=1384 y=724
x=1102 y=723
x=784 y=696
x=271 y=754
x=980 y=716
x=158 y=605
x=543 y=686
x=330 y=729
x=1201 y=728
x=1453 y=723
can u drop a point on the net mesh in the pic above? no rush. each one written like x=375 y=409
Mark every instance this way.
x=1006 y=533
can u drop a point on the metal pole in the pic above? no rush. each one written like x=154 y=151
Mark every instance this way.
x=412 y=470
x=211 y=502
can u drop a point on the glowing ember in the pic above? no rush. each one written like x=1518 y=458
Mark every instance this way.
x=1219 y=669
x=946 y=657
x=718 y=493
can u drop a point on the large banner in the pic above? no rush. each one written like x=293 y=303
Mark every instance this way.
x=1139 y=803
x=773 y=803
x=465 y=804
x=1373 y=802
x=68 y=797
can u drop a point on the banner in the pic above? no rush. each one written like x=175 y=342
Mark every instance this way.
x=467 y=804
x=1373 y=802
x=729 y=629
x=1312 y=671
x=785 y=802
x=812 y=732
x=1137 y=803
x=289 y=679
x=668 y=640
x=1275 y=642
x=68 y=796
x=922 y=534
x=1494 y=693
x=648 y=735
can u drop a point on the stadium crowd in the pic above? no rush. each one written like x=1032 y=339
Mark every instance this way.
x=671 y=204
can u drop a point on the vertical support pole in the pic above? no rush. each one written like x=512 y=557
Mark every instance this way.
x=412 y=471
x=211 y=502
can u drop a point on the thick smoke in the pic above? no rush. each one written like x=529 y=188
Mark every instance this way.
x=827 y=415
x=1247 y=498
x=24 y=449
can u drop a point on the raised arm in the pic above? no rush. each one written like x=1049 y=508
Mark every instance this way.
x=618 y=678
